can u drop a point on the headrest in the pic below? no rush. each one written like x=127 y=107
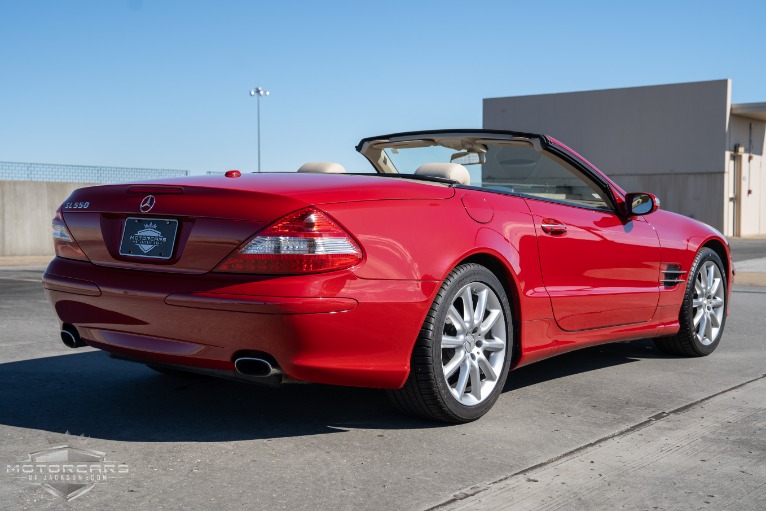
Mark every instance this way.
x=322 y=167
x=452 y=171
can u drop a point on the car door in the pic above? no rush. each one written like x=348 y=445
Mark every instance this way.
x=599 y=268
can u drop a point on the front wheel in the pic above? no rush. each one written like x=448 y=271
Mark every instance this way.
x=461 y=358
x=703 y=313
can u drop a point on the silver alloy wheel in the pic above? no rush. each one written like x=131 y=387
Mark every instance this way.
x=473 y=343
x=708 y=303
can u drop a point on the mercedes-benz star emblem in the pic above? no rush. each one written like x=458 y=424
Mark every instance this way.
x=147 y=204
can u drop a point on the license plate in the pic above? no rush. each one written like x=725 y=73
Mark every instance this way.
x=149 y=237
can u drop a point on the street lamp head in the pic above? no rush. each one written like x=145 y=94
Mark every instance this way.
x=259 y=91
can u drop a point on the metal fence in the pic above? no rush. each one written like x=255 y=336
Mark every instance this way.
x=13 y=171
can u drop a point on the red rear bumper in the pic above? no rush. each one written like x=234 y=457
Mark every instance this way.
x=329 y=328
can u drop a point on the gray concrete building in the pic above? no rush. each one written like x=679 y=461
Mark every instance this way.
x=687 y=143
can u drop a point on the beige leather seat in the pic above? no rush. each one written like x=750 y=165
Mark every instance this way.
x=322 y=167
x=453 y=171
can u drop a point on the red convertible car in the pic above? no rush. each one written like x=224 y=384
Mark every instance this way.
x=457 y=257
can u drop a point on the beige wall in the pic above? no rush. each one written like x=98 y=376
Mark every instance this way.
x=747 y=182
x=26 y=210
x=748 y=133
x=753 y=196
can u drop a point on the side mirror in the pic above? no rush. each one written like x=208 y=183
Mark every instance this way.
x=641 y=203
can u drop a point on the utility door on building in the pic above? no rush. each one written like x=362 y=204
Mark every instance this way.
x=734 y=204
x=752 y=192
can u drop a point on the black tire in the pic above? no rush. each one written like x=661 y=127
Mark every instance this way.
x=428 y=393
x=686 y=342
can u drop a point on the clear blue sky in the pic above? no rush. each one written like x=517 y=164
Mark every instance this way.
x=164 y=83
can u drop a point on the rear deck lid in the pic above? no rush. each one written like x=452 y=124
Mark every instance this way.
x=190 y=224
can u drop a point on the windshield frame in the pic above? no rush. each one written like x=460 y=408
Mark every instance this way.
x=372 y=149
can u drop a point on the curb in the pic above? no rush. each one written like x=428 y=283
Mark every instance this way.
x=16 y=262
x=750 y=278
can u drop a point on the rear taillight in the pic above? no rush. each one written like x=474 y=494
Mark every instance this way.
x=306 y=241
x=63 y=241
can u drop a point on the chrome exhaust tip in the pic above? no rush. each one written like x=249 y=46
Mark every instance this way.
x=258 y=367
x=71 y=337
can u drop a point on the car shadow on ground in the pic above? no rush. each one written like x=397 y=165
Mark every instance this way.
x=93 y=395
x=581 y=361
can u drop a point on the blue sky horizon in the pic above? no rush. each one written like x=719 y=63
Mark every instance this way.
x=164 y=83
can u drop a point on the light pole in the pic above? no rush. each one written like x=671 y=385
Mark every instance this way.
x=258 y=92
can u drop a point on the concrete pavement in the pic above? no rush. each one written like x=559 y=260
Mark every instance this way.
x=749 y=256
x=645 y=419
x=705 y=455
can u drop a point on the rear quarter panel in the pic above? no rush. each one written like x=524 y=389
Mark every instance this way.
x=425 y=240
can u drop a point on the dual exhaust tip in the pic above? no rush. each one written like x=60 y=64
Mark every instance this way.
x=248 y=366
x=254 y=366
x=71 y=337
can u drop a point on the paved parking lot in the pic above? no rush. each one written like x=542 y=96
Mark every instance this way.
x=618 y=426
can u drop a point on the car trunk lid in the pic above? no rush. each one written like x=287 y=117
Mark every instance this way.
x=190 y=225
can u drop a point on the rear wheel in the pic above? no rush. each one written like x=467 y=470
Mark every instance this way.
x=462 y=356
x=703 y=313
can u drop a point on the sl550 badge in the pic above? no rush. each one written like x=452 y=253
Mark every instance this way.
x=76 y=205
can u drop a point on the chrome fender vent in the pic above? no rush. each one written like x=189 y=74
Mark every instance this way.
x=672 y=275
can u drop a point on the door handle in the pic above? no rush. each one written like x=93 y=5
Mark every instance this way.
x=553 y=226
